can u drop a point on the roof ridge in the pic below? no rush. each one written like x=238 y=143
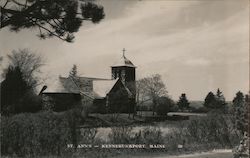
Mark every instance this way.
x=93 y=78
x=84 y=93
x=75 y=84
x=123 y=61
x=62 y=77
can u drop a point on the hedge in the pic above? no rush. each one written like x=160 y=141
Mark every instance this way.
x=45 y=133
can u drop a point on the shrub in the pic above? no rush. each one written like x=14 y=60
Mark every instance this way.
x=43 y=133
x=88 y=135
x=164 y=105
x=17 y=93
x=202 y=109
x=149 y=135
x=213 y=128
x=214 y=131
x=121 y=135
x=125 y=135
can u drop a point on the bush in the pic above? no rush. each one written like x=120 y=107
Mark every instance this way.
x=214 y=131
x=149 y=135
x=121 y=135
x=88 y=135
x=202 y=109
x=214 y=128
x=125 y=135
x=43 y=133
x=164 y=105
x=17 y=93
x=30 y=103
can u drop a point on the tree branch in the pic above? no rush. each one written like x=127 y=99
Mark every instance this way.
x=28 y=14
x=10 y=11
x=20 y=4
x=144 y=101
x=5 y=3
x=48 y=30
x=40 y=30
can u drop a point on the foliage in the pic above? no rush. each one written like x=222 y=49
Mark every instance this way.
x=209 y=100
x=151 y=88
x=149 y=135
x=59 y=18
x=21 y=79
x=1 y=59
x=202 y=109
x=12 y=89
x=29 y=64
x=215 y=101
x=214 y=131
x=242 y=150
x=141 y=95
x=88 y=135
x=30 y=102
x=204 y=133
x=16 y=94
x=220 y=100
x=183 y=103
x=73 y=71
x=240 y=111
x=48 y=103
x=125 y=135
x=73 y=117
x=121 y=135
x=35 y=134
x=213 y=128
x=165 y=104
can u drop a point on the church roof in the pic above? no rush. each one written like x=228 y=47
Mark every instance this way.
x=102 y=87
x=62 y=85
x=123 y=61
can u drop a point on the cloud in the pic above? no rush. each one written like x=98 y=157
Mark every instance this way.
x=197 y=46
x=197 y=62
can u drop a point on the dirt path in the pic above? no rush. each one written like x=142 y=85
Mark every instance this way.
x=212 y=154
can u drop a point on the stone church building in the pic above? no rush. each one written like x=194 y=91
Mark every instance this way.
x=100 y=95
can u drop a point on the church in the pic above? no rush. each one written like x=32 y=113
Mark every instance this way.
x=115 y=95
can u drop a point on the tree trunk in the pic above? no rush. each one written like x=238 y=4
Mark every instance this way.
x=154 y=105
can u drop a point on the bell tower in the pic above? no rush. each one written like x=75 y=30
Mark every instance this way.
x=124 y=69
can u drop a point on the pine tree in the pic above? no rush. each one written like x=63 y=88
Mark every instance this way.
x=209 y=100
x=220 y=100
x=13 y=88
x=53 y=18
x=183 y=103
x=215 y=101
x=73 y=72
x=240 y=111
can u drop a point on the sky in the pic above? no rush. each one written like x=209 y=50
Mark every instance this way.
x=196 y=46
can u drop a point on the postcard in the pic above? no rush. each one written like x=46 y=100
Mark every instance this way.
x=124 y=78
